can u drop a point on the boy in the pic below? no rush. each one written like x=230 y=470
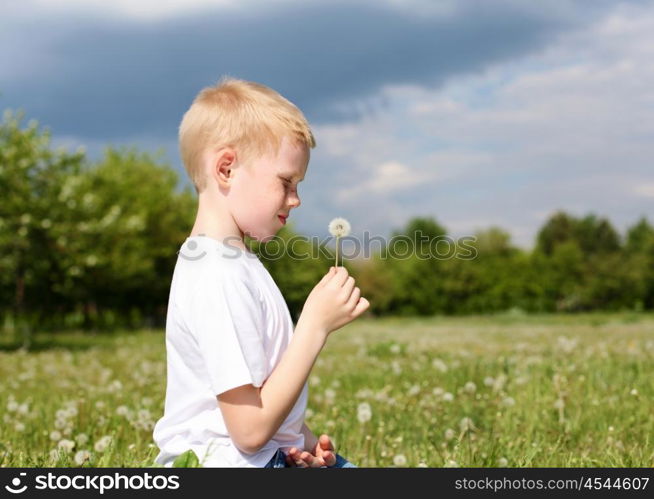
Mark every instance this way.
x=236 y=370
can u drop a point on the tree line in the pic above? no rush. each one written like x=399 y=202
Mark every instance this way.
x=92 y=245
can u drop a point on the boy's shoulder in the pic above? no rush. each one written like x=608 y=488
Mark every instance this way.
x=204 y=264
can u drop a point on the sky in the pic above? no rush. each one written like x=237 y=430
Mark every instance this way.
x=477 y=113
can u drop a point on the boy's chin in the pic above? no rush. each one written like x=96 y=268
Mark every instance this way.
x=263 y=238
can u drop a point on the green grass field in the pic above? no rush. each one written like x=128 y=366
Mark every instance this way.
x=510 y=390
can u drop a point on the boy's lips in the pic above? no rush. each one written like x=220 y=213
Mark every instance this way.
x=283 y=218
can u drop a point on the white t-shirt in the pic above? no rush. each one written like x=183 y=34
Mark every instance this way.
x=227 y=325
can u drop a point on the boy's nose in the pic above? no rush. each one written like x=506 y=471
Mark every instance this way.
x=295 y=201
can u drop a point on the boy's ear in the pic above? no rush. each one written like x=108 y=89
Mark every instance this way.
x=224 y=162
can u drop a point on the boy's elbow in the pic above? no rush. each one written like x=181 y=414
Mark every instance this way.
x=249 y=439
x=248 y=445
x=241 y=410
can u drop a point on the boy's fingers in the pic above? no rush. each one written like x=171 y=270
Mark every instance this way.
x=354 y=298
x=307 y=458
x=325 y=442
x=340 y=276
x=361 y=307
x=327 y=276
x=329 y=458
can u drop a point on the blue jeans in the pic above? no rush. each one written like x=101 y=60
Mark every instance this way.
x=279 y=461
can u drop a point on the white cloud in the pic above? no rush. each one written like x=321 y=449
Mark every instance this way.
x=645 y=190
x=385 y=178
x=139 y=9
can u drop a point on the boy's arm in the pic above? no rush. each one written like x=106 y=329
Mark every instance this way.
x=253 y=415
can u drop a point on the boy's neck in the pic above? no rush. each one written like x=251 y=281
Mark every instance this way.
x=216 y=222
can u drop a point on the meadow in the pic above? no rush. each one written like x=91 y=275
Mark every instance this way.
x=483 y=391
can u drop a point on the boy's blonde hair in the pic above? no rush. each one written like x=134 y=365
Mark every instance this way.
x=245 y=115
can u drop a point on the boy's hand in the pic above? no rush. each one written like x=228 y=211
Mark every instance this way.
x=322 y=455
x=333 y=302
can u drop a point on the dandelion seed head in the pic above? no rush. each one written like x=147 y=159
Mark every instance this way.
x=508 y=402
x=470 y=387
x=339 y=227
x=439 y=365
x=466 y=424
x=102 y=443
x=502 y=462
x=81 y=457
x=364 y=412
x=82 y=438
x=399 y=460
x=449 y=434
x=65 y=444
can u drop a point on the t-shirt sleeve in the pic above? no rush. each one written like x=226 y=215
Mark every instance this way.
x=227 y=322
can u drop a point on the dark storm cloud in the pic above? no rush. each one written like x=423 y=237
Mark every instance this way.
x=106 y=79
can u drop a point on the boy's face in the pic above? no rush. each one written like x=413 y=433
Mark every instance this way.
x=266 y=190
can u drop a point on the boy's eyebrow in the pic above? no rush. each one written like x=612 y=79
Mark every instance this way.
x=294 y=176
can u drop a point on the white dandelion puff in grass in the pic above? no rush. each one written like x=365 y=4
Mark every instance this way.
x=364 y=412
x=66 y=444
x=82 y=438
x=81 y=457
x=55 y=435
x=439 y=365
x=102 y=444
x=339 y=227
x=399 y=460
x=330 y=395
x=122 y=410
x=466 y=424
x=449 y=434
x=508 y=402
x=470 y=387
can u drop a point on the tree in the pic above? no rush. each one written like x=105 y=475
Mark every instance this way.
x=32 y=178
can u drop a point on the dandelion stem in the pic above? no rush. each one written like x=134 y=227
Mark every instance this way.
x=337 y=251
